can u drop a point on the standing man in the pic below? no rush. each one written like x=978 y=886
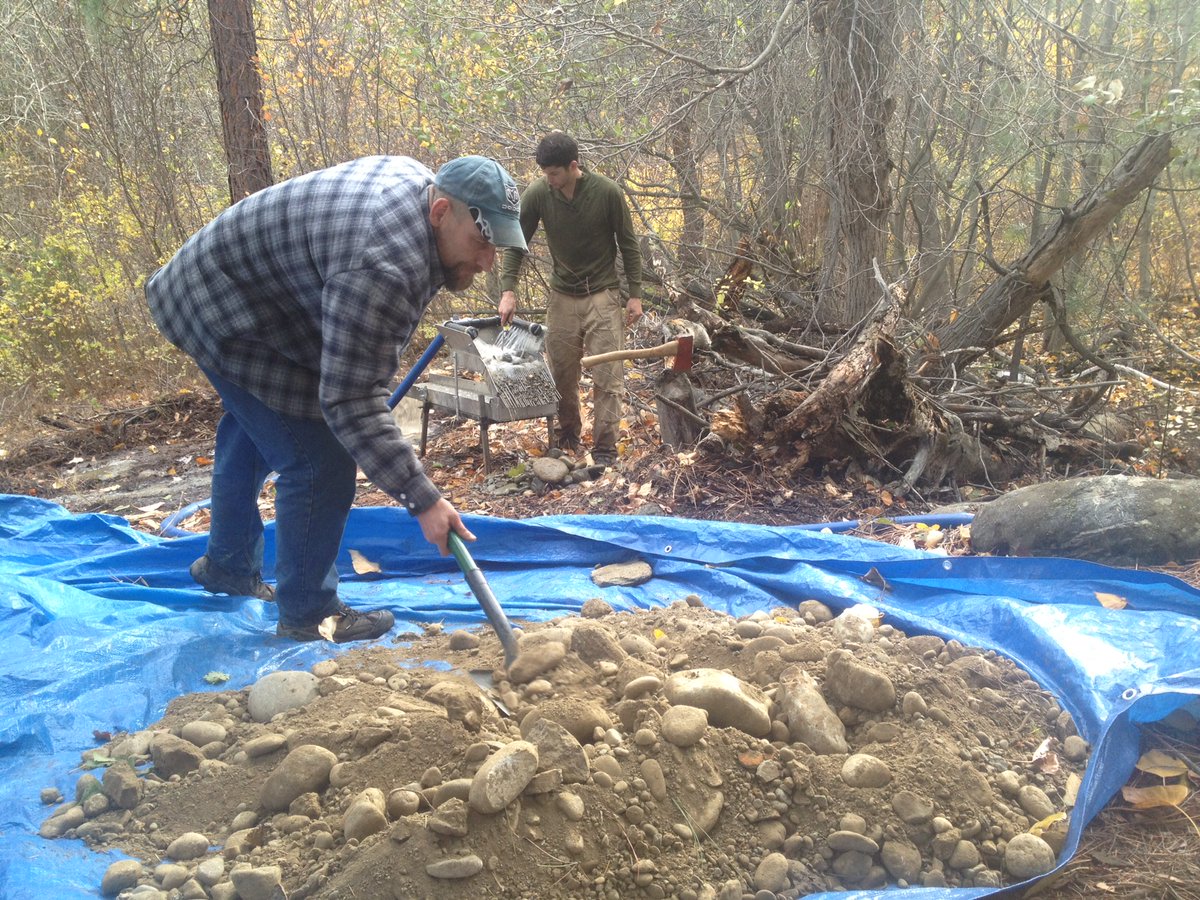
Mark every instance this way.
x=586 y=220
x=296 y=303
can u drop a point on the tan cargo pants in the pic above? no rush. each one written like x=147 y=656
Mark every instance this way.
x=578 y=327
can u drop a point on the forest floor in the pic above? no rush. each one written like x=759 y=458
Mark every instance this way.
x=147 y=462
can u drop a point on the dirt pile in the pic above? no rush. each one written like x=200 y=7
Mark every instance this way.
x=674 y=752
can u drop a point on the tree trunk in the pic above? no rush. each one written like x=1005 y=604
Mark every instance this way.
x=861 y=42
x=1012 y=295
x=239 y=89
x=683 y=161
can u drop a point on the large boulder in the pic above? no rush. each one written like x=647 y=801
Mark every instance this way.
x=1115 y=519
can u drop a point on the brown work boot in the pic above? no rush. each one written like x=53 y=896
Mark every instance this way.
x=217 y=580
x=348 y=625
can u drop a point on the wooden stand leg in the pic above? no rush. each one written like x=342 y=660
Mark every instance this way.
x=483 y=440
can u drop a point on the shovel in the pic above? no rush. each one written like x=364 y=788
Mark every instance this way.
x=487 y=600
x=476 y=581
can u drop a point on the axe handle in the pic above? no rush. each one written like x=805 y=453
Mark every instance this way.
x=670 y=348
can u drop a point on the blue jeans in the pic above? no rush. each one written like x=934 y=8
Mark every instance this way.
x=313 y=496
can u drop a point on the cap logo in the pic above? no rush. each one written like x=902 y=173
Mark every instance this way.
x=512 y=198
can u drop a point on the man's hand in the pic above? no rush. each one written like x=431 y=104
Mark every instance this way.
x=633 y=311
x=508 y=306
x=438 y=521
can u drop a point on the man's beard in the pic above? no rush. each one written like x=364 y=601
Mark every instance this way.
x=459 y=278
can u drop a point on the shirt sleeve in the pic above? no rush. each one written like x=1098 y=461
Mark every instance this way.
x=531 y=217
x=367 y=317
x=627 y=241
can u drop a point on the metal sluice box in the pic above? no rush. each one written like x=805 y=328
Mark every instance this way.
x=499 y=375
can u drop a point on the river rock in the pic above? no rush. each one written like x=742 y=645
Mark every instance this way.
x=189 y=845
x=902 y=860
x=261 y=883
x=683 y=726
x=581 y=719
x=865 y=771
x=729 y=701
x=558 y=749
x=850 y=627
x=593 y=642
x=123 y=786
x=304 y=769
x=1033 y=800
x=912 y=808
x=280 y=691
x=772 y=873
x=365 y=816
x=455 y=867
x=534 y=660
x=550 y=469
x=120 y=876
x=462 y=702
x=1075 y=748
x=1028 y=856
x=173 y=755
x=264 y=744
x=629 y=574
x=809 y=719
x=449 y=819
x=203 y=732
x=1119 y=520
x=850 y=682
x=503 y=776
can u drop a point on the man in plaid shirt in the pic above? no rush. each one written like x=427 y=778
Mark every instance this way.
x=296 y=303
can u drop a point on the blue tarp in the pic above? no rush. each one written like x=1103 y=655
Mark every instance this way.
x=103 y=626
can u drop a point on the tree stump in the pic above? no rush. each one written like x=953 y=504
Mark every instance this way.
x=679 y=422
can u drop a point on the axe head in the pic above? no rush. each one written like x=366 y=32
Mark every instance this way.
x=682 y=360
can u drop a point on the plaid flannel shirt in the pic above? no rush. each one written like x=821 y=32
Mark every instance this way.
x=306 y=293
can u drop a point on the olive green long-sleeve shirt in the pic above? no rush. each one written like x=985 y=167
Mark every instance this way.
x=584 y=235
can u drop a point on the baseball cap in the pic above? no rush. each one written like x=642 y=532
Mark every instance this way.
x=491 y=195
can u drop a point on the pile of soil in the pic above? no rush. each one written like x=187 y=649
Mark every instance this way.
x=675 y=752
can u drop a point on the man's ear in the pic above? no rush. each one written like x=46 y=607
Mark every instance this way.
x=438 y=210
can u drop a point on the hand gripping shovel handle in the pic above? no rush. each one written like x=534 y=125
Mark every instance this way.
x=487 y=600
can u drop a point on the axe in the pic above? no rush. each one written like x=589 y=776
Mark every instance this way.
x=680 y=348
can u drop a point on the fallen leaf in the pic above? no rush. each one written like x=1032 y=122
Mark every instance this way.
x=1047 y=823
x=102 y=736
x=216 y=677
x=1156 y=762
x=874 y=578
x=1111 y=601
x=1071 y=790
x=327 y=627
x=1155 y=796
x=751 y=759
x=203 y=461
x=362 y=565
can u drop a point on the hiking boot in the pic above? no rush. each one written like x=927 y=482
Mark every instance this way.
x=604 y=458
x=349 y=625
x=216 y=580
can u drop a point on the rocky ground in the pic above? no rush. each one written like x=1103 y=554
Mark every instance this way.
x=669 y=753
